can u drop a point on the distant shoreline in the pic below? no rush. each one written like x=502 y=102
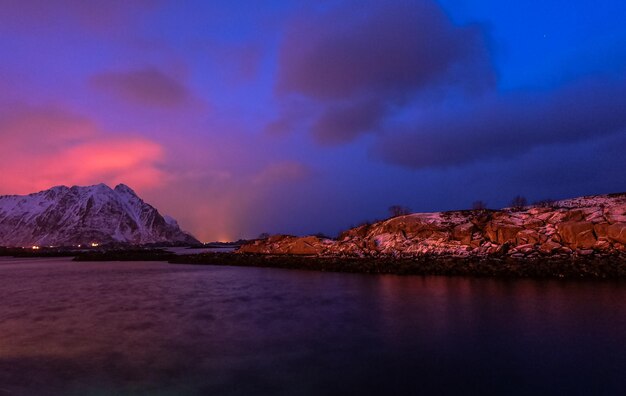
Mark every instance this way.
x=611 y=266
x=608 y=267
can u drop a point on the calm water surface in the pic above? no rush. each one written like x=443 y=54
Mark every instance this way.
x=155 y=328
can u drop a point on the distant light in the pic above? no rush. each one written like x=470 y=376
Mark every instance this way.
x=95 y=244
x=35 y=248
x=78 y=245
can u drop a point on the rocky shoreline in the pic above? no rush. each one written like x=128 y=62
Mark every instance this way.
x=582 y=267
x=607 y=267
x=589 y=227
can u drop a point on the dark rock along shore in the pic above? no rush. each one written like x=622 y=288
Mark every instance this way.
x=592 y=226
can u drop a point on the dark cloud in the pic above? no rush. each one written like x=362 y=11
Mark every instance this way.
x=343 y=123
x=507 y=125
x=147 y=86
x=390 y=47
x=356 y=60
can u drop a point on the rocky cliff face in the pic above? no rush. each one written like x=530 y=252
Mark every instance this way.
x=63 y=216
x=582 y=226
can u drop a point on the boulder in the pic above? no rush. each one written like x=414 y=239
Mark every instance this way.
x=594 y=215
x=501 y=233
x=573 y=215
x=601 y=230
x=412 y=225
x=302 y=246
x=538 y=210
x=545 y=216
x=616 y=209
x=577 y=234
x=491 y=232
x=565 y=215
x=549 y=247
x=527 y=237
x=255 y=247
x=602 y=245
x=507 y=233
x=613 y=219
x=476 y=242
x=533 y=224
x=616 y=214
x=463 y=233
x=526 y=249
x=617 y=232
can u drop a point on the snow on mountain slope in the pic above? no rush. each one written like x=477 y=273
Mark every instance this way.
x=64 y=216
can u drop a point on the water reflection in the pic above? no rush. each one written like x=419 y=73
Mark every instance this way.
x=157 y=328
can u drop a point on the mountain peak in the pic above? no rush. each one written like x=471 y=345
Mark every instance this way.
x=123 y=188
x=63 y=216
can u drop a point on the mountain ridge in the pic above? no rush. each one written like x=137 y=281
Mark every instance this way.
x=80 y=215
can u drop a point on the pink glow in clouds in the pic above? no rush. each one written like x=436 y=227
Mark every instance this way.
x=44 y=147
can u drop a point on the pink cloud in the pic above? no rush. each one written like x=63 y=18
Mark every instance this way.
x=43 y=147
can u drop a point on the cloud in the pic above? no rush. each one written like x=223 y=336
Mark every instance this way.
x=343 y=123
x=147 y=86
x=46 y=146
x=506 y=125
x=383 y=47
x=357 y=65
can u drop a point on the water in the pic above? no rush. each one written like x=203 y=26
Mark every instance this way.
x=154 y=328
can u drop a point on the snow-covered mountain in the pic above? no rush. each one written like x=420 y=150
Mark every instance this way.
x=64 y=216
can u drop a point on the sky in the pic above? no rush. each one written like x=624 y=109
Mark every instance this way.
x=281 y=116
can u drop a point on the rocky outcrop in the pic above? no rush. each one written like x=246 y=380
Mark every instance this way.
x=617 y=233
x=64 y=216
x=577 y=234
x=593 y=225
x=287 y=245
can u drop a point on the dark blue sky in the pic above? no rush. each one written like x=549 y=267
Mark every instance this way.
x=241 y=117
